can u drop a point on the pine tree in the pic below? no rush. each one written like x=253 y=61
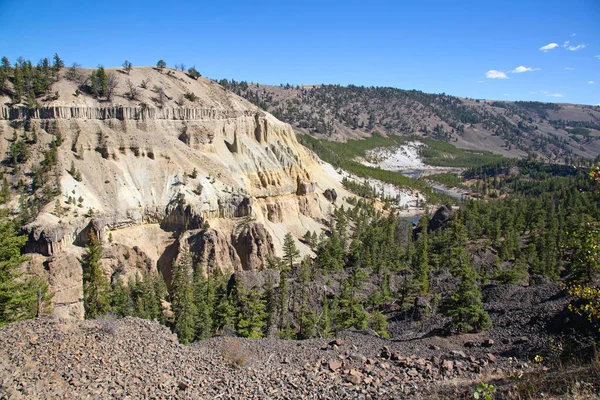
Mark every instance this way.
x=351 y=311
x=5 y=191
x=290 y=252
x=378 y=323
x=127 y=66
x=182 y=299
x=420 y=261
x=204 y=299
x=4 y=74
x=95 y=284
x=19 y=299
x=120 y=302
x=251 y=318
x=161 y=64
x=466 y=308
x=223 y=309
x=57 y=65
x=270 y=304
x=102 y=81
x=282 y=302
x=18 y=83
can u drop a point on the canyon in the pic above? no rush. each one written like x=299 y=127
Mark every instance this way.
x=216 y=176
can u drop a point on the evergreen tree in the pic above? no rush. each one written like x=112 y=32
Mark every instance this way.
x=290 y=252
x=127 y=66
x=5 y=191
x=161 y=64
x=378 y=323
x=4 y=74
x=18 y=85
x=351 y=311
x=95 y=284
x=120 y=302
x=270 y=304
x=57 y=65
x=282 y=303
x=19 y=299
x=224 y=309
x=251 y=318
x=204 y=298
x=182 y=299
x=466 y=308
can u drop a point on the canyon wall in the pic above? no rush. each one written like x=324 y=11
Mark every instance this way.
x=226 y=181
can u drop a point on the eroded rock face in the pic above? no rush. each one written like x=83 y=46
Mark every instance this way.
x=254 y=245
x=441 y=218
x=65 y=277
x=257 y=280
x=213 y=250
x=172 y=168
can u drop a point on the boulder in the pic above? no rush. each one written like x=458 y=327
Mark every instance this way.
x=330 y=194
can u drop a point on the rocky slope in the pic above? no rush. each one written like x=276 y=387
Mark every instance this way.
x=230 y=175
x=134 y=358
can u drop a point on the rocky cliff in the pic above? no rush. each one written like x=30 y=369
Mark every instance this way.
x=147 y=174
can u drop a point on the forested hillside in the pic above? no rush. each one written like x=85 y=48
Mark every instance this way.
x=370 y=268
x=556 y=132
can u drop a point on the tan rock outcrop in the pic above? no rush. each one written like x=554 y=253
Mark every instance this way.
x=219 y=160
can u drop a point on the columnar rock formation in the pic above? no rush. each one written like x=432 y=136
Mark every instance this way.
x=232 y=177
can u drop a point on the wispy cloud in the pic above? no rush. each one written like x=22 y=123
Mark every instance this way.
x=522 y=68
x=569 y=68
x=598 y=56
x=480 y=81
x=549 y=46
x=591 y=82
x=573 y=35
x=567 y=42
x=555 y=95
x=493 y=74
x=532 y=92
x=575 y=48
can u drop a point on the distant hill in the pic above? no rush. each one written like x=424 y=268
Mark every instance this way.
x=554 y=131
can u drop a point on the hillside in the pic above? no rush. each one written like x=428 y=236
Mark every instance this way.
x=554 y=131
x=155 y=175
x=157 y=195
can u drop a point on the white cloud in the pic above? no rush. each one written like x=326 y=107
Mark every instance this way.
x=544 y=91
x=555 y=95
x=578 y=47
x=569 y=68
x=532 y=92
x=507 y=94
x=493 y=74
x=598 y=56
x=591 y=82
x=549 y=46
x=573 y=35
x=566 y=43
x=522 y=68
x=480 y=81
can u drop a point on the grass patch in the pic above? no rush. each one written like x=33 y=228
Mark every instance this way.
x=444 y=154
x=447 y=179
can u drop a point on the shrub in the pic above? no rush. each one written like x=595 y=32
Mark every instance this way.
x=233 y=353
x=191 y=96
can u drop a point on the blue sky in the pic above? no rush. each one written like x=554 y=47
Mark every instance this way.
x=433 y=46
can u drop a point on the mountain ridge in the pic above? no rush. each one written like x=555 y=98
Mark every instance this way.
x=554 y=131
